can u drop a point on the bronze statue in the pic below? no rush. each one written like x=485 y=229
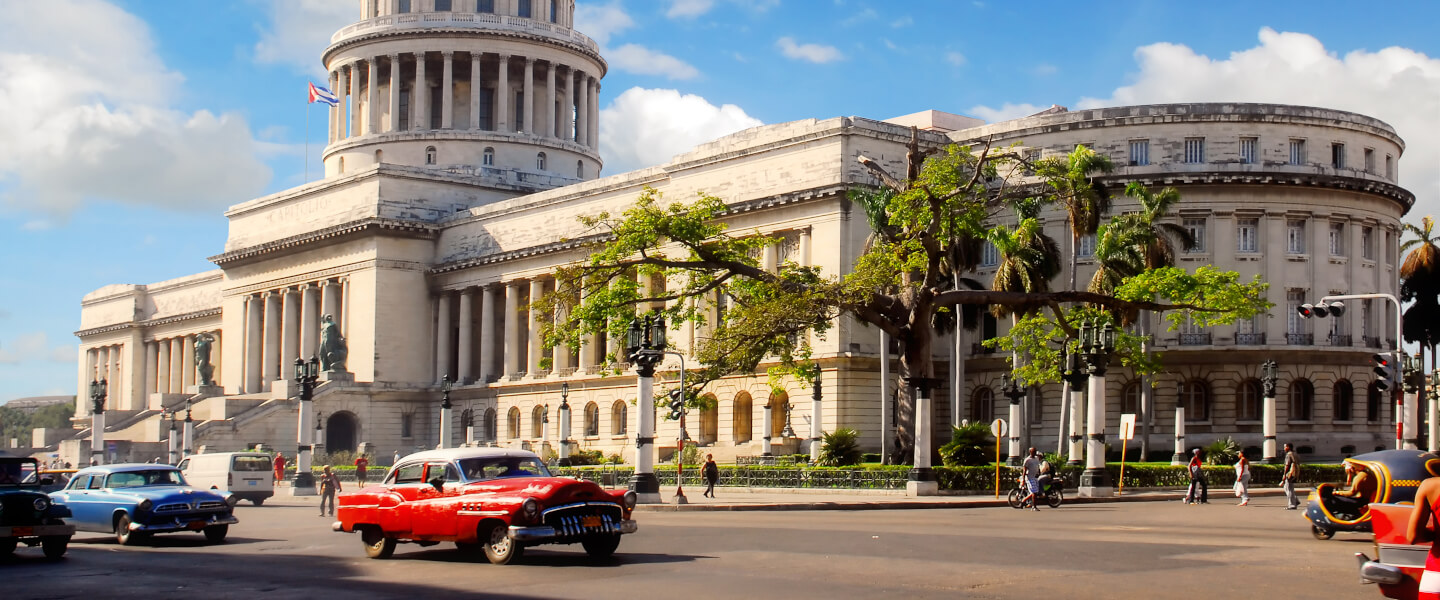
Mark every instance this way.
x=332 y=345
x=203 y=344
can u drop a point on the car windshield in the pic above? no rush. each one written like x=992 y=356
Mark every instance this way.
x=143 y=478
x=14 y=472
x=252 y=464
x=480 y=469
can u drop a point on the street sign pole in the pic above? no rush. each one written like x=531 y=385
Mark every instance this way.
x=1127 y=430
x=997 y=427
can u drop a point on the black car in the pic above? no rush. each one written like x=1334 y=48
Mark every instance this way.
x=26 y=513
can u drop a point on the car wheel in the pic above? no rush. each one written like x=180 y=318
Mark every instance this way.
x=1054 y=498
x=215 y=534
x=123 y=533
x=376 y=544
x=1014 y=498
x=258 y=501
x=601 y=546
x=1321 y=533
x=7 y=546
x=54 y=546
x=499 y=548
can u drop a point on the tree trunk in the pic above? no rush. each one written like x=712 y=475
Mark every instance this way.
x=917 y=367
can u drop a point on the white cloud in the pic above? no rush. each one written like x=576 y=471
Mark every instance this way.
x=93 y=120
x=300 y=29
x=689 y=9
x=863 y=16
x=646 y=127
x=1045 y=69
x=600 y=21
x=955 y=59
x=904 y=21
x=815 y=53
x=33 y=346
x=640 y=60
x=1396 y=85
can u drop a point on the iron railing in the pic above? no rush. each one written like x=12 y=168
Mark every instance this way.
x=1300 y=339
x=1339 y=340
x=1194 y=339
x=1250 y=339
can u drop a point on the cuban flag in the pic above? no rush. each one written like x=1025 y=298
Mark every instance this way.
x=320 y=94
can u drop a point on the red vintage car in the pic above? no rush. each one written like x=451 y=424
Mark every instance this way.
x=484 y=499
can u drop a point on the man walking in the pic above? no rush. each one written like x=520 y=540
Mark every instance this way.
x=1199 y=489
x=711 y=471
x=1032 y=480
x=279 y=467
x=329 y=484
x=1292 y=472
x=360 y=464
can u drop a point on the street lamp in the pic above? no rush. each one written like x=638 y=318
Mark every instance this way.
x=815 y=431
x=1096 y=342
x=447 y=428
x=173 y=442
x=187 y=446
x=307 y=373
x=1076 y=375
x=1179 y=458
x=97 y=421
x=565 y=422
x=1013 y=391
x=1269 y=374
x=645 y=348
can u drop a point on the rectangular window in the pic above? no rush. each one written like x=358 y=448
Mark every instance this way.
x=1194 y=150
x=1247 y=235
x=442 y=5
x=485 y=6
x=1389 y=248
x=1297 y=152
x=1365 y=327
x=1196 y=227
x=1295 y=324
x=1369 y=160
x=1030 y=156
x=1249 y=326
x=989 y=255
x=524 y=9
x=406 y=425
x=519 y=119
x=1337 y=239
x=1389 y=167
x=1367 y=243
x=1247 y=150
x=1295 y=234
x=1337 y=155
x=404 y=109
x=1139 y=153
x=487 y=109
x=1087 y=246
x=404 y=6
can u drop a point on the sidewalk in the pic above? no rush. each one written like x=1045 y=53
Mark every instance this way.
x=740 y=499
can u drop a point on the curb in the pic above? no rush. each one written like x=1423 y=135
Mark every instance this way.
x=915 y=504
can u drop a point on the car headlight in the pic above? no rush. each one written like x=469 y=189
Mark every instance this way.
x=531 y=509
x=145 y=505
x=631 y=499
x=42 y=503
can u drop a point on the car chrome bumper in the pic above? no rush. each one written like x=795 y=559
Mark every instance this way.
x=36 y=530
x=184 y=524
x=1377 y=572
x=543 y=533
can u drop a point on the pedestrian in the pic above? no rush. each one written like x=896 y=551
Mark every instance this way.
x=711 y=471
x=1423 y=522
x=396 y=460
x=1292 y=472
x=329 y=484
x=1032 y=480
x=279 y=467
x=1242 y=479
x=360 y=464
x=1199 y=491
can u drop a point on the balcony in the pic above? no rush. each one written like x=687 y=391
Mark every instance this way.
x=1371 y=341
x=1339 y=340
x=1300 y=339
x=1194 y=339
x=1250 y=339
x=978 y=349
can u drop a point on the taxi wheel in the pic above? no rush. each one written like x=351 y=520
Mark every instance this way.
x=54 y=546
x=123 y=533
x=376 y=544
x=499 y=548
x=215 y=534
x=601 y=546
x=1321 y=533
x=7 y=546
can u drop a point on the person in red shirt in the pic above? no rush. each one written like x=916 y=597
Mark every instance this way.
x=360 y=463
x=279 y=466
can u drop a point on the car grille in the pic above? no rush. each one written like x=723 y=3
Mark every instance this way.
x=569 y=520
x=171 y=507
x=20 y=509
x=182 y=507
x=211 y=505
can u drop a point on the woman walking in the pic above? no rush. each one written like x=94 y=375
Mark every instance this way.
x=1422 y=529
x=1242 y=479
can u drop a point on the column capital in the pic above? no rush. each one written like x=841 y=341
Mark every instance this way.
x=447 y=54
x=503 y=57
x=529 y=60
x=394 y=57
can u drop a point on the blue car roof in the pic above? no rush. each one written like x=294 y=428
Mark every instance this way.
x=125 y=467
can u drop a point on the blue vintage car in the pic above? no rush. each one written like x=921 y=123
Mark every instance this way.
x=134 y=501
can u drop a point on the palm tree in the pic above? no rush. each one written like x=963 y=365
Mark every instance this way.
x=1029 y=259
x=1084 y=198
x=1420 y=283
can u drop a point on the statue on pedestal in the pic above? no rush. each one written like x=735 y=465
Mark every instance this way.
x=332 y=345
x=203 y=343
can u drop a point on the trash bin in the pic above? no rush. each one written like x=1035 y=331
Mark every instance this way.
x=607 y=479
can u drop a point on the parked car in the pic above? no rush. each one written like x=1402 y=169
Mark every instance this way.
x=245 y=475
x=494 y=500
x=27 y=515
x=135 y=501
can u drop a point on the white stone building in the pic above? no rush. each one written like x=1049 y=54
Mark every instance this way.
x=465 y=146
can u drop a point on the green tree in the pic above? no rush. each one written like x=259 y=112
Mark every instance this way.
x=897 y=284
x=1079 y=192
x=1420 y=285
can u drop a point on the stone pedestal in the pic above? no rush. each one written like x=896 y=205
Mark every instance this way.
x=341 y=376
x=284 y=388
x=922 y=483
x=1095 y=483
x=198 y=392
x=646 y=487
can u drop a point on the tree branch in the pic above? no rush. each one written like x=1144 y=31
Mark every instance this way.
x=1014 y=298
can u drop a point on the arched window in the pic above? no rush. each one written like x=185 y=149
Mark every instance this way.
x=537 y=422
x=488 y=425
x=513 y=423
x=1344 y=397
x=442 y=5
x=982 y=406
x=579 y=168
x=1373 y=398
x=379 y=156
x=1130 y=398
x=1196 y=395
x=524 y=9
x=618 y=417
x=404 y=6
x=592 y=419
x=430 y=155
x=488 y=158
x=540 y=161
x=485 y=6
x=710 y=421
x=743 y=417
x=1247 y=400
x=1302 y=400
x=778 y=414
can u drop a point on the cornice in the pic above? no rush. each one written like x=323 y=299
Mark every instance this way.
x=198 y=314
x=329 y=234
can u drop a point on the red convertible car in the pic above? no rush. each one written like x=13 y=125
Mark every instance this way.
x=494 y=500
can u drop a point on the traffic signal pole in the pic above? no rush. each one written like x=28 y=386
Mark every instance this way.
x=1402 y=428
x=680 y=443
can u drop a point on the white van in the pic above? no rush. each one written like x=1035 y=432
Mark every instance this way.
x=246 y=475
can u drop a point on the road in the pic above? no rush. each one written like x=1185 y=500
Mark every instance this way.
x=1154 y=549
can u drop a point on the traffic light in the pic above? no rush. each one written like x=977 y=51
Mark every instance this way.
x=1321 y=310
x=1384 y=371
x=677 y=404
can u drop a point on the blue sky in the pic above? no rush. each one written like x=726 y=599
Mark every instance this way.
x=127 y=126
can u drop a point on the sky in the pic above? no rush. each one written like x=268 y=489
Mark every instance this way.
x=128 y=126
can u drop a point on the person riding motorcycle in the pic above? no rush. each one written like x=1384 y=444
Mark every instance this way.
x=1357 y=495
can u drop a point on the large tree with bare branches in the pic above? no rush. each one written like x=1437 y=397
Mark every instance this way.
x=926 y=225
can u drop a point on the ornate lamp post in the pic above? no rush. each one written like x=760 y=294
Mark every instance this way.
x=97 y=421
x=1013 y=391
x=307 y=373
x=565 y=422
x=544 y=429
x=645 y=347
x=815 y=431
x=1097 y=342
x=1076 y=375
x=447 y=414
x=1179 y=458
x=172 y=441
x=787 y=432
x=1268 y=374
x=187 y=445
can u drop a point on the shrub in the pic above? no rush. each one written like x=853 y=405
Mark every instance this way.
x=1222 y=452
x=841 y=448
x=870 y=458
x=585 y=457
x=970 y=445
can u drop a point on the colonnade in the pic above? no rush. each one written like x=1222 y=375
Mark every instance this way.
x=282 y=325
x=170 y=366
x=507 y=83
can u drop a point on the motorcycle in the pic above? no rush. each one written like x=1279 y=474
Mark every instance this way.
x=1052 y=491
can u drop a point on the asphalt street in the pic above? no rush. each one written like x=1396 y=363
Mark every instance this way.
x=1134 y=550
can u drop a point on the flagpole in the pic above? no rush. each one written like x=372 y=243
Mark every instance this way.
x=307 y=142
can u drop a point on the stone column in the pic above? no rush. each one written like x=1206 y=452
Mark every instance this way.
x=309 y=320
x=587 y=347
x=465 y=374
x=594 y=128
x=816 y=413
x=561 y=352
x=372 y=95
x=1178 y=458
x=1268 y=451
x=356 y=127
x=418 y=96
x=342 y=129
x=163 y=365
x=548 y=127
x=152 y=377
x=394 y=92
x=177 y=365
x=1013 y=452
x=272 y=339
x=290 y=340
x=487 y=333
x=332 y=115
x=1095 y=481
x=564 y=129
x=442 y=334
x=1077 y=424
x=582 y=116
x=447 y=89
x=330 y=300
x=770 y=259
x=475 y=90
x=921 y=480
x=254 y=342
x=645 y=441
x=527 y=102
x=767 y=422
x=514 y=355
x=502 y=95
x=187 y=364
x=535 y=344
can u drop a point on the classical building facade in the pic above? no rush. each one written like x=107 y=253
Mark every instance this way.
x=465 y=147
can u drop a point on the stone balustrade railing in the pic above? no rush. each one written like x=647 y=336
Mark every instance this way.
x=465 y=20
